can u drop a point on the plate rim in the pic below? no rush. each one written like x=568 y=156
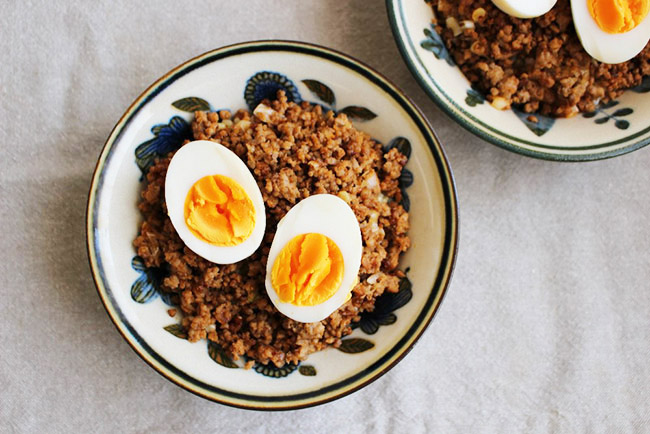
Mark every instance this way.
x=402 y=347
x=445 y=105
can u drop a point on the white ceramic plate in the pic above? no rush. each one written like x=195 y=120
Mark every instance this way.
x=616 y=128
x=236 y=77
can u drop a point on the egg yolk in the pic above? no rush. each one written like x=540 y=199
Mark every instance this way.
x=618 y=16
x=308 y=271
x=218 y=211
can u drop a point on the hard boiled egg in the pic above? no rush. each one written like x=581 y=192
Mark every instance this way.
x=214 y=202
x=612 y=31
x=525 y=8
x=314 y=260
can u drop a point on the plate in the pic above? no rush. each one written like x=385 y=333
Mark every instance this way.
x=237 y=77
x=615 y=128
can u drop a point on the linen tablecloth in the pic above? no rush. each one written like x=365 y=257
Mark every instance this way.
x=545 y=327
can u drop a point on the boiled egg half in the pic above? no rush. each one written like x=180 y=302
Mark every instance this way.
x=214 y=202
x=314 y=260
x=612 y=31
x=525 y=8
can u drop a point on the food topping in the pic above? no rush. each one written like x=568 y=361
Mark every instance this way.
x=308 y=270
x=618 y=16
x=218 y=211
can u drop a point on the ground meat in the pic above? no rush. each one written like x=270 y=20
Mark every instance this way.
x=294 y=152
x=536 y=64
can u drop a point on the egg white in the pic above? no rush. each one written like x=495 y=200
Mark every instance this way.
x=191 y=163
x=608 y=47
x=525 y=8
x=328 y=215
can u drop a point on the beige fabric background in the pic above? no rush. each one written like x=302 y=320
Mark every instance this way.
x=545 y=328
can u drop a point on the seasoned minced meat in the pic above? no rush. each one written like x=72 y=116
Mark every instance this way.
x=296 y=152
x=537 y=64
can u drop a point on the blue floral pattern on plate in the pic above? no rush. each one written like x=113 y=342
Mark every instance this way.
x=169 y=137
x=385 y=306
x=166 y=138
x=265 y=85
x=147 y=286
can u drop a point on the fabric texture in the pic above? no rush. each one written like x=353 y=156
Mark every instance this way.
x=546 y=325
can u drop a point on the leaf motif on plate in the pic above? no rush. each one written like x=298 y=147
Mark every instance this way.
x=307 y=370
x=177 y=330
x=220 y=356
x=358 y=113
x=621 y=124
x=321 y=90
x=355 y=345
x=623 y=112
x=192 y=104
